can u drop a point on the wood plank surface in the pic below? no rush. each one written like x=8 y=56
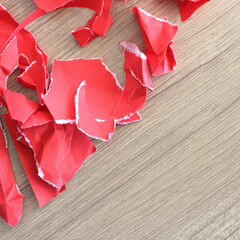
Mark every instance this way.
x=175 y=174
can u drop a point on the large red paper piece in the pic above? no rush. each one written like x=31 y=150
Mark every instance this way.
x=84 y=85
x=43 y=191
x=10 y=197
x=158 y=36
x=188 y=7
x=59 y=151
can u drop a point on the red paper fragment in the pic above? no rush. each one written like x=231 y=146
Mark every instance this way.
x=158 y=36
x=101 y=95
x=40 y=117
x=20 y=108
x=23 y=52
x=97 y=25
x=42 y=190
x=59 y=150
x=11 y=199
x=8 y=63
x=188 y=7
x=137 y=80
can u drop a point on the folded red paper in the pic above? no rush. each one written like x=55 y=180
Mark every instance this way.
x=158 y=36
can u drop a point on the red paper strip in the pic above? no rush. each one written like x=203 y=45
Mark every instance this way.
x=42 y=190
x=11 y=199
x=158 y=35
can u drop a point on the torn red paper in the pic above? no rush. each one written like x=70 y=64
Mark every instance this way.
x=59 y=150
x=158 y=36
x=97 y=25
x=11 y=199
x=23 y=52
x=188 y=7
x=42 y=190
x=100 y=96
x=137 y=80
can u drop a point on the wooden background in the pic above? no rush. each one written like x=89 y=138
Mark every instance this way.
x=175 y=174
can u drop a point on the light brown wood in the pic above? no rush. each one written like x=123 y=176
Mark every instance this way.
x=175 y=174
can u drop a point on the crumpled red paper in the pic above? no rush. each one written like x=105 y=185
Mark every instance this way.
x=158 y=36
x=10 y=197
x=188 y=7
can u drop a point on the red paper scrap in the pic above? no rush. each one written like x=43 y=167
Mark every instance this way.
x=137 y=81
x=102 y=93
x=11 y=199
x=97 y=25
x=23 y=52
x=43 y=191
x=59 y=151
x=188 y=7
x=158 y=36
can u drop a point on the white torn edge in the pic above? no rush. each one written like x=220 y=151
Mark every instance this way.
x=18 y=189
x=83 y=83
x=25 y=57
x=144 y=85
x=40 y=172
x=100 y=120
x=19 y=138
x=4 y=135
x=158 y=19
x=27 y=68
x=65 y=121
x=125 y=123
x=132 y=48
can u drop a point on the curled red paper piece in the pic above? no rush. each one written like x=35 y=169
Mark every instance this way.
x=11 y=199
x=137 y=81
x=158 y=36
x=188 y=7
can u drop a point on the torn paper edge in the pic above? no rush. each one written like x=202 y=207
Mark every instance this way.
x=156 y=18
x=83 y=83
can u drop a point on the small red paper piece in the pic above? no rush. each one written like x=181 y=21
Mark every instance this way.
x=11 y=199
x=59 y=151
x=97 y=25
x=137 y=80
x=158 y=36
x=188 y=7
x=42 y=190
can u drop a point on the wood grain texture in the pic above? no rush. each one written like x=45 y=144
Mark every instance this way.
x=175 y=174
